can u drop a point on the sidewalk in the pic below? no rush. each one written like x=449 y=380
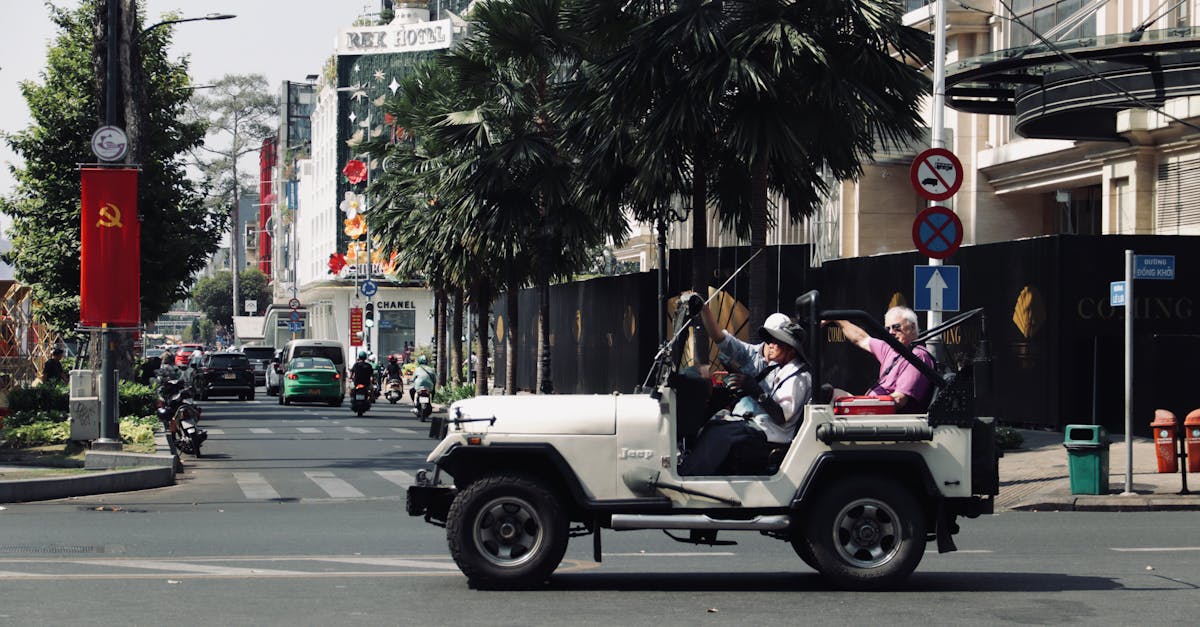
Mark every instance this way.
x=1036 y=478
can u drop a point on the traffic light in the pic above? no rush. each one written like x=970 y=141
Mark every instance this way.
x=369 y=317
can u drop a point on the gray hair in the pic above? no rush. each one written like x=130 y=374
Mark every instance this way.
x=905 y=313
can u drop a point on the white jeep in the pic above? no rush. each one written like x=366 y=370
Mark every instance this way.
x=857 y=496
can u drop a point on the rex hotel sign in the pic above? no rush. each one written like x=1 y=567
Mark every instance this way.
x=394 y=38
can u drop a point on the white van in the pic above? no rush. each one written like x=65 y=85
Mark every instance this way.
x=329 y=349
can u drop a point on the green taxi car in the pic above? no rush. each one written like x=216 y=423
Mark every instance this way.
x=311 y=379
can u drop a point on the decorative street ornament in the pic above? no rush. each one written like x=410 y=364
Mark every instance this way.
x=355 y=227
x=352 y=204
x=337 y=262
x=355 y=139
x=355 y=171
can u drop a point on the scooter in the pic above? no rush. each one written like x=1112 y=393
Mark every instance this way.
x=395 y=390
x=180 y=417
x=360 y=399
x=424 y=407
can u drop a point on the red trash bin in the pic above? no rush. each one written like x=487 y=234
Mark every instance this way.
x=1191 y=440
x=1164 y=440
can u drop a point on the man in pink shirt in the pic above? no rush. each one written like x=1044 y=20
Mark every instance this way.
x=897 y=377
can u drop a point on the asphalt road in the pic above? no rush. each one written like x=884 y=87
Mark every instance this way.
x=295 y=517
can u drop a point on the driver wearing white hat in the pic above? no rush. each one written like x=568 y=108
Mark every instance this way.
x=773 y=375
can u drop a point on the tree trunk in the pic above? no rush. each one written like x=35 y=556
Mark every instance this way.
x=544 y=384
x=700 y=250
x=456 y=333
x=758 y=241
x=439 y=341
x=482 y=298
x=511 y=315
x=132 y=83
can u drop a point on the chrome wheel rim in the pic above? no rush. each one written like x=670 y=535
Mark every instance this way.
x=508 y=531
x=866 y=533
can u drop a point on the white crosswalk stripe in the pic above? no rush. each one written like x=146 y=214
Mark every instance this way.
x=260 y=430
x=254 y=486
x=356 y=430
x=404 y=431
x=398 y=477
x=215 y=431
x=308 y=430
x=334 y=487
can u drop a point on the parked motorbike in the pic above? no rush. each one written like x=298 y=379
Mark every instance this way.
x=360 y=399
x=180 y=417
x=395 y=390
x=424 y=406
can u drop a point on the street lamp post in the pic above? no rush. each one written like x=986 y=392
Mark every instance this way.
x=109 y=431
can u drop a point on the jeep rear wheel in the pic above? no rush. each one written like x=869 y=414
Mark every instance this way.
x=506 y=531
x=866 y=533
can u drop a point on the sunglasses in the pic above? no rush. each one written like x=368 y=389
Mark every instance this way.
x=899 y=326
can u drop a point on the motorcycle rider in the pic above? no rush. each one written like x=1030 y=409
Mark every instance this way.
x=362 y=371
x=393 y=367
x=423 y=376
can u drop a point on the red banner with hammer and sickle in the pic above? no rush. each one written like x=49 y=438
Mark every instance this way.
x=110 y=248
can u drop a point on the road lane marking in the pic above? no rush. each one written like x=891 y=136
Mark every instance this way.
x=260 y=430
x=308 y=429
x=188 y=567
x=404 y=431
x=1156 y=549
x=254 y=486
x=356 y=430
x=387 y=561
x=334 y=487
x=648 y=554
x=398 y=477
x=215 y=431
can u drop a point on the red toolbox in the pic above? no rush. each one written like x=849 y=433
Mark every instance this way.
x=863 y=405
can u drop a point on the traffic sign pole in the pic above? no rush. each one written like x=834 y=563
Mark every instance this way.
x=1129 y=309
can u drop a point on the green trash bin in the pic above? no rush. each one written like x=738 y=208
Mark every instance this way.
x=1087 y=457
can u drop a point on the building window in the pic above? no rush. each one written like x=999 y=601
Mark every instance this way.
x=1123 y=206
x=1177 y=201
x=1044 y=15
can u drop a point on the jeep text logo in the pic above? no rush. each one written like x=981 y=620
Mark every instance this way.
x=635 y=453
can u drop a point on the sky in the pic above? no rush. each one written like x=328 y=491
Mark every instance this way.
x=280 y=39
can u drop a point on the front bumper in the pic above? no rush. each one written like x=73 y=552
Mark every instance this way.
x=429 y=500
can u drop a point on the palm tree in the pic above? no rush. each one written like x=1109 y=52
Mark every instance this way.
x=813 y=85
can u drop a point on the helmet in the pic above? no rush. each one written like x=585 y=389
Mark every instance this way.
x=362 y=355
x=422 y=359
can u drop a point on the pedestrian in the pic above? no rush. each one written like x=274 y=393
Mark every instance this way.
x=52 y=370
x=898 y=378
x=148 y=368
x=5 y=387
x=775 y=384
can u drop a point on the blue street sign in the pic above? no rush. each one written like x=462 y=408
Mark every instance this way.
x=296 y=327
x=1161 y=267
x=294 y=316
x=935 y=288
x=1116 y=293
x=368 y=288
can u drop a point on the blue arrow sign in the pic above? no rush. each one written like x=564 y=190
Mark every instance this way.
x=935 y=288
x=368 y=288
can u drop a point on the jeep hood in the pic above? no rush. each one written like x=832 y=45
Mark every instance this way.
x=552 y=414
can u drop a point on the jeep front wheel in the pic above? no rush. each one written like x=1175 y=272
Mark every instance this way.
x=506 y=531
x=866 y=533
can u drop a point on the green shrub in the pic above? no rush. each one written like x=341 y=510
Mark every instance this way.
x=28 y=417
x=42 y=397
x=135 y=399
x=1008 y=438
x=36 y=434
x=447 y=394
x=138 y=429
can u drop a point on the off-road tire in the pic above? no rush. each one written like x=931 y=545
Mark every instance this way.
x=865 y=533
x=507 y=531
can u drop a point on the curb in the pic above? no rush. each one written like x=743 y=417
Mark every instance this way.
x=23 y=490
x=1110 y=503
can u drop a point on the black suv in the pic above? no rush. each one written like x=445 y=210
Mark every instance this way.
x=260 y=358
x=224 y=373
